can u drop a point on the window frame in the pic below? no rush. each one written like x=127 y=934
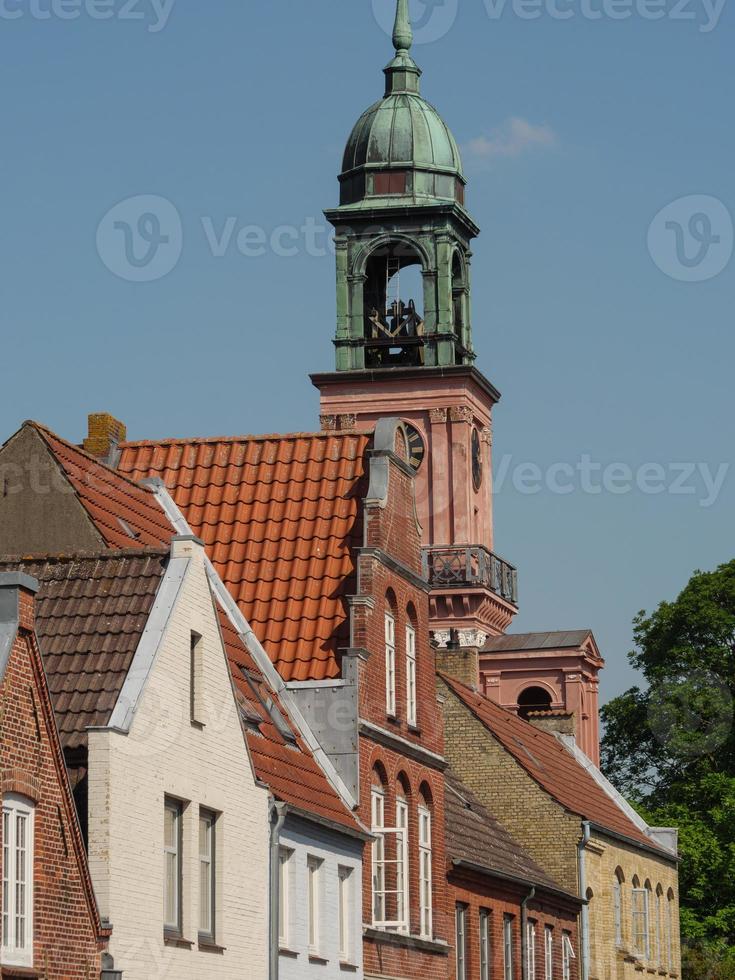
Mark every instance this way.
x=485 y=922
x=567 y=955
x=18 y=808
x=176 y=807
x=314 y=866
x=548 y=953
x=390 y=665
x=670 y=932
x=460 y=939
x=508 y=952
x=411 y=694
x=196 y=679
x=210 y=818
x=641 y=922
x=377 y=826
x=345 y=875
x=426 y=901
x=531 y=949
x=403 y=868
x=618 y=911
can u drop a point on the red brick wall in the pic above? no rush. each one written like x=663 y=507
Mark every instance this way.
x=501 y=899
x=65 y=934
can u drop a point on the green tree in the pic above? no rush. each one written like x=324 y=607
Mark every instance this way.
x=669 y=746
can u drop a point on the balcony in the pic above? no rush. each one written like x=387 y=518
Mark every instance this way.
x=470 y=566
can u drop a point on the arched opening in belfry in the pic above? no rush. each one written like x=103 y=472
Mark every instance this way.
x=459 y=298
x=533 y=699
x=394 y=307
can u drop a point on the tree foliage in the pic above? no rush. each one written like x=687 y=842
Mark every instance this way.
x=669 y=745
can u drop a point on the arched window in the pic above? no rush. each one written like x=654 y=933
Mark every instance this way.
x=378 y=800
x=658 y=925
x=411 y=696
x=640 y=920
x=403 y=873
x=426 y=910
x=618 y=906
x=17 y=912
x=394 y=294
x=670 y=931
x=533 y=699
x=390 y=654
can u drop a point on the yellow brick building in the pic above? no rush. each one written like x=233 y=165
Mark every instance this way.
x=563 y=811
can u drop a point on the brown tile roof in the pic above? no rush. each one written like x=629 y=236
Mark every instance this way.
x=474 y=836
x=125 y=514
x=285 y=764
x=558 y=640
x=280 y=517
x=547 y=761
x=90 y=614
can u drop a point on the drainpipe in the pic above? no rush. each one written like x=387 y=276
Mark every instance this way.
x=585 y=937
x=277 y=817
x=524 y=932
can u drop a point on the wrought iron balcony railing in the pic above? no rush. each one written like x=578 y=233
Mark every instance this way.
x=470 y=565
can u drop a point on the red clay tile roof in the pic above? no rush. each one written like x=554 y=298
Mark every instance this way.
x=280 y=518
x=547 y=761
x=90 y=614
x=285 y=765
x=113 y=502
x=476 y=837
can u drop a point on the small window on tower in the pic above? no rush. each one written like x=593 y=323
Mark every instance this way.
x=459 y=192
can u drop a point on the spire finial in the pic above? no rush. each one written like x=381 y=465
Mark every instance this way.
x=402 y=32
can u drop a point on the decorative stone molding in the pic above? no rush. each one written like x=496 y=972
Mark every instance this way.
x=348 y=421
x=460 y=413
x=438 y=415
x=467 y=638
x=487 y=435
x=328 y=423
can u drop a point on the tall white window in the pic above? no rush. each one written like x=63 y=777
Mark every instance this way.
x=345 y=914
x=508 y=964
x=531 y=950
x=17 y=945
x=402 y=869
x=207 y=823
x=461 y=940
x=567 y=955
x=618 y=910
x=548 y=953
x=485 y=950
x=425 y=872
x=284 y=895
x=658 y=926
x=172 y=838
x=640 y=922
x=390 y=664
x=670 y=934
x=378 y=824
x=314 y=873
x=411 y=709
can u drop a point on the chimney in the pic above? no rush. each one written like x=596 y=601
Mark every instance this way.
x=461 y=663
x=17 y=599
x=104 y=434
x=555 y=722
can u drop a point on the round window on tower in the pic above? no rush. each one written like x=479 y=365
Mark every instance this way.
x=416 y=446
x=477 y=463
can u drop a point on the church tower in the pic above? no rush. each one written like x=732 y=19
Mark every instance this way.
x=404 y=344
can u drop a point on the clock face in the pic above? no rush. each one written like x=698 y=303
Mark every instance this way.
x=476 y=459
x=416 y=447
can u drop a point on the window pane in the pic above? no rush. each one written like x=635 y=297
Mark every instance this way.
x=206 y=873
x=484 y=944
x=171 y=859
x=314 y=865
x=345 y=913
x=6 y=877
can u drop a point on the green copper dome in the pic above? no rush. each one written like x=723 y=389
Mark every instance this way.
x=401 y=147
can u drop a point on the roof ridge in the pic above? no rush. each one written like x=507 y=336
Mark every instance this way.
x=45 y=431
x=266 y=437
x=59 y=558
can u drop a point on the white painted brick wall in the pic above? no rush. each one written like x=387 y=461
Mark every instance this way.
x=305 y=839
x=164 y=754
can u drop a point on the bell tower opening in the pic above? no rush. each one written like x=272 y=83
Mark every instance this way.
x=533 y=699
x=394 y=302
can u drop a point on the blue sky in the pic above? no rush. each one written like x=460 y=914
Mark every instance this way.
x=576 y=134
